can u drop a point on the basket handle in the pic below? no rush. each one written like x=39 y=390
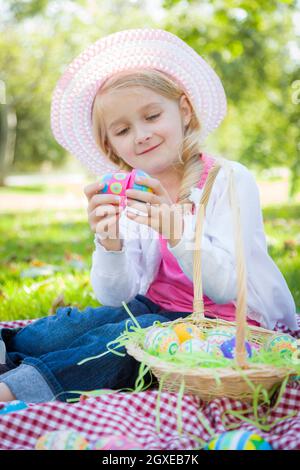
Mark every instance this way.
x=241 y=304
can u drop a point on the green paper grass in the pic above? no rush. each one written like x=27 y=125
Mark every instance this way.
x=134 y=333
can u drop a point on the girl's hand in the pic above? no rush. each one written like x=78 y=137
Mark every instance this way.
x=103 y=212
x=159 y=211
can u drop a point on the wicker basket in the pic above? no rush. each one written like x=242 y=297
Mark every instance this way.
x=237 y=383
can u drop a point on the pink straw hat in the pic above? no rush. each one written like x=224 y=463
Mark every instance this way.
x=124 y=51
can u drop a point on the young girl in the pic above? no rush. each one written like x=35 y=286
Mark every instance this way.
x=144 y=99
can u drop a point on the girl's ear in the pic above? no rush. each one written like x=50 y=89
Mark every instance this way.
x=185 y=110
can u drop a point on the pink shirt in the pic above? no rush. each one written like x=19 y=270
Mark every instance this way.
x=173 y=290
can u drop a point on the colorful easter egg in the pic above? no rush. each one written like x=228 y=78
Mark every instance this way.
x=13 y=406
x=62 y=440
x=117 y=183
x=193 y=345
x=161 y=340
x=219 y=335
x=105 y=180
x=141 y=187
x=283 y=344
x=116 y=188
x=121 y=176
x=116 y=442
x=216 y=336
x=296 y=357
x=255 y=347
x=238 y=440
x=151 y=333
x=228 y=348
x=187 y=331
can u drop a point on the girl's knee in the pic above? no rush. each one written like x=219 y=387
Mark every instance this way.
x=150 y=319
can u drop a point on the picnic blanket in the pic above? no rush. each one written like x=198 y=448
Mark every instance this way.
x=154 y=424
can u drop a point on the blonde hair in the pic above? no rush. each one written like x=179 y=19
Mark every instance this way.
x=163 y=85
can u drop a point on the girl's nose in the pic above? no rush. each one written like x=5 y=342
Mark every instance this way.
x=142 y=138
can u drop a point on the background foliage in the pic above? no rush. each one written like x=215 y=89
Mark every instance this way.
x=253 y=46
x=250 y=43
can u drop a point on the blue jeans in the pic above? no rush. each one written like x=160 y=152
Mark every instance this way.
x=54 y=345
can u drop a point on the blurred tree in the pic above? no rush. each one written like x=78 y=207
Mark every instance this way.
x=246 y=41
x=22 y=9
x=32 y=59
x=8 y=123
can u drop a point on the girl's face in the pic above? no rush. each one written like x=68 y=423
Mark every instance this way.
x=144 y=128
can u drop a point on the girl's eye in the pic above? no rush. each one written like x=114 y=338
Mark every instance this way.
x=122 y=132
x=153 y=116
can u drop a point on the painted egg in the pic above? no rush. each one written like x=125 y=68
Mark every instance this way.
x=296 y=357
x=161 y=340
x=192 y=345
x=228 y=348
x=283 y=344
x=62 y=440
x=213 y=347
x=238 y=440
x=117 y=183
x=141 y=187
x=217 y=336
x=150 y=335
x=255 y=347
x=116 y=442
x=187 y=331
x=13 y=406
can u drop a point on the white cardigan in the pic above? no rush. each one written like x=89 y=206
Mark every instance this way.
x=118 y=276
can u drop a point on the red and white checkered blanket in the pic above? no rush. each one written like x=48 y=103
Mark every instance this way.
x=135 y=415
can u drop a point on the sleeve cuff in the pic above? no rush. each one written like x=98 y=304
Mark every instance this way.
x=111 y=262
x=101 y=248
x=27 y=384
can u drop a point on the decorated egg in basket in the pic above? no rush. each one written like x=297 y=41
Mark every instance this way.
x=228 y=348
x=238 y=440
x=62 y=440
x=283 y=344
x=117 y=183
x=116 y=442
x=216 y=336
x=187 y=331
x=161 y=340
x=193 y=345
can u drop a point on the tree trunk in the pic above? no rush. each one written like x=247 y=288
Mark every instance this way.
x=8 y=125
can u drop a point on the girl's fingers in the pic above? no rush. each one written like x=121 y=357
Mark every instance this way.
x=144 y=220
x=106 y=209
x=108 y=224
x=142 y=196
x=101 y=213
x=101 y=199
x=133 y=204
x=92 y=189
x=146 y=208
x=152 y=183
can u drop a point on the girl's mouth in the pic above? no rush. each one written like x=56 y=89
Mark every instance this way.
x=149 y=150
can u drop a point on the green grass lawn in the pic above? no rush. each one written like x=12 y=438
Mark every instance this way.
x=46 y=259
